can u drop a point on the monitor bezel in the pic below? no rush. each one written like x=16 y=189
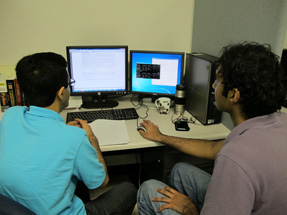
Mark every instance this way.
x=97 y=93
x=156 y=94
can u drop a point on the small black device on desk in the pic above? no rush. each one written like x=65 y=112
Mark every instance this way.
x=112 y=114
x=181 y=126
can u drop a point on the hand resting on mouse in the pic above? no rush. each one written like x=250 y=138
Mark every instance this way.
x=151 y=131
x=141 y=127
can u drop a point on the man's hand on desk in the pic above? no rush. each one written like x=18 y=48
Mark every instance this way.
x=74 y=123
x=82 y=124
x=77 y=123
x=152 y=131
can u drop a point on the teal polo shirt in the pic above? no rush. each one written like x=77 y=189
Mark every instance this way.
x=42 y=158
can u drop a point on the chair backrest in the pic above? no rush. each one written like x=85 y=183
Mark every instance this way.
x=11 y=207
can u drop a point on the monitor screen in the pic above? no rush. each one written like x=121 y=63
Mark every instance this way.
x=156 y=72
x=98 y=71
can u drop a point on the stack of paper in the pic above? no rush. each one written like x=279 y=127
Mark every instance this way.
x=110 y=132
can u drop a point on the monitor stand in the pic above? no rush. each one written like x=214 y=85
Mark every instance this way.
x=98 y=101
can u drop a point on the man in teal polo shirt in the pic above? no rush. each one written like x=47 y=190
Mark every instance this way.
x=42 y=159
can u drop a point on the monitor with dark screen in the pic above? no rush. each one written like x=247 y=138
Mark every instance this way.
x=99 y=72
x=156 y=73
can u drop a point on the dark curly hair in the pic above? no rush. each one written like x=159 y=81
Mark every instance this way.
x=40 y=76
x=255 y=71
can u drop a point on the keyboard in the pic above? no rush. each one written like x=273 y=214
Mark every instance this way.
x=113 y=114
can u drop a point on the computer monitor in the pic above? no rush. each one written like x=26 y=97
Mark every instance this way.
x=156 y=73
x=99 y=72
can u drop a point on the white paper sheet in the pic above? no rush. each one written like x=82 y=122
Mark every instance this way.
x=110 y=132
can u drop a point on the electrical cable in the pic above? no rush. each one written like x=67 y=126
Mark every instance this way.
x=181 y=117
x=138 y=106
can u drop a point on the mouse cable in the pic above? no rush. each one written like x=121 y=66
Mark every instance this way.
x=135 y=105
x=139 y=105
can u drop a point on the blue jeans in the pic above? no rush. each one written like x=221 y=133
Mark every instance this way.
x=120 y=200
x=185 y=178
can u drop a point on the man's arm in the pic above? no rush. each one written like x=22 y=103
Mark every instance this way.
x=207 y=149
x=95 y=143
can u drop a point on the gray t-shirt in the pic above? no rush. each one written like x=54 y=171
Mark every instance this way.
x=250 y=174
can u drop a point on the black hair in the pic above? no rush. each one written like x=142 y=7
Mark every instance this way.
x=255 y=71
x=40 y=76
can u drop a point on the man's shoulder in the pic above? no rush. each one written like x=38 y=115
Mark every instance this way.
x=14 y=111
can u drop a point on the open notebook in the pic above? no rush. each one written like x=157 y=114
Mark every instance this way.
x=110 y=132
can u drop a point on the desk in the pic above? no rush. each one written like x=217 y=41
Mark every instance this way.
x=155 y=159
x=210 y=132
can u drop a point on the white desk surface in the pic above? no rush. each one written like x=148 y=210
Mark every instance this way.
x=211 y=132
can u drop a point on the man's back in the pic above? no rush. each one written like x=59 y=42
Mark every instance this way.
x=39 y=156
x=250 y=171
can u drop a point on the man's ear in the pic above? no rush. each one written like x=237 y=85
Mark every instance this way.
x=60 y=93
x=234 y=95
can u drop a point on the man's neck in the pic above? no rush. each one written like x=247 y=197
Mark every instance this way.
x=237 y=120
x=54 y=107
x=237 y=116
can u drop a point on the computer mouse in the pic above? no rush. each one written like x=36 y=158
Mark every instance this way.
x=141 y=127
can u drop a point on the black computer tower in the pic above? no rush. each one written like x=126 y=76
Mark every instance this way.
x=284 y=67
x=199 y=77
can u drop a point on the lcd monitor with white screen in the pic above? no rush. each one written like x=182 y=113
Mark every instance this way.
x=99 y=73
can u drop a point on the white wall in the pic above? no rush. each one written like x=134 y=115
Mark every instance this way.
x=30 y=26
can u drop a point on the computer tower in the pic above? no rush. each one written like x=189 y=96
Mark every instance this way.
x=199 y=77
x=283 y=63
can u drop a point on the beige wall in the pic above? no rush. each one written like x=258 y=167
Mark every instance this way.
x=39 y=25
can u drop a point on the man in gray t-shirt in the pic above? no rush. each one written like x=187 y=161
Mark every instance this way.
x=250 y=170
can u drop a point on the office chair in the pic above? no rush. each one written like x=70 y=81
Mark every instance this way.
x=11 y=207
